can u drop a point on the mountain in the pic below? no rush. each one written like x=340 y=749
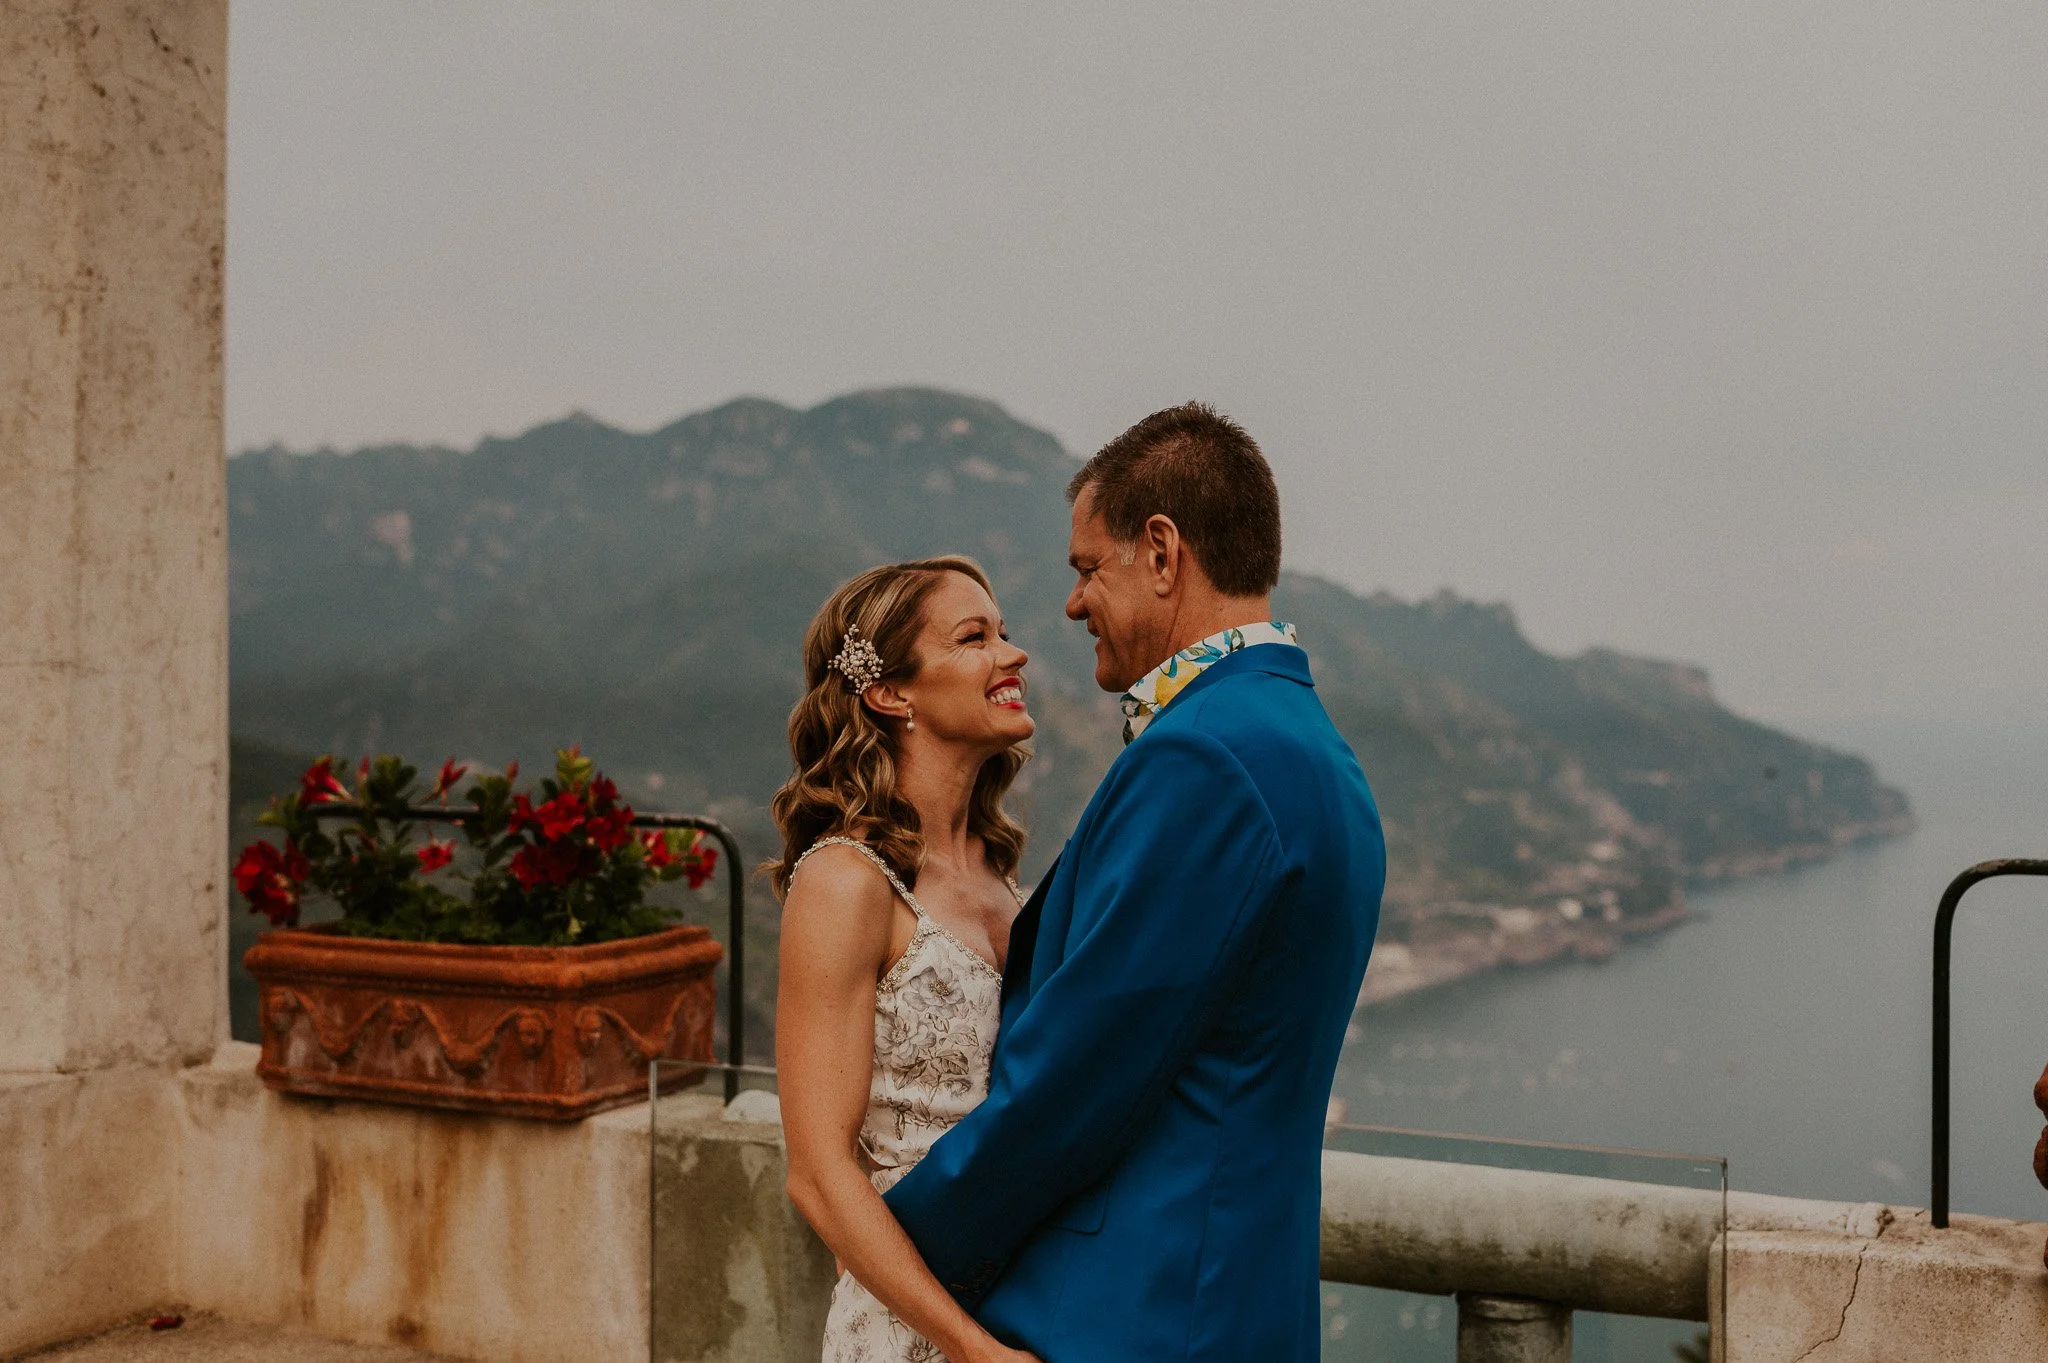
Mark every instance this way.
x=644 y=594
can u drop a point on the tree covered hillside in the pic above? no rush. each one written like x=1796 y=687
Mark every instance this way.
x=644 y=594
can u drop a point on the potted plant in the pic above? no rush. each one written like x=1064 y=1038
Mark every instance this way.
x=527 y=975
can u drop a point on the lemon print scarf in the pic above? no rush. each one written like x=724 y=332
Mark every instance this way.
x=1157 y=688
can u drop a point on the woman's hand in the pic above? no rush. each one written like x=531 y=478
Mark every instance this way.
x=995 y=1351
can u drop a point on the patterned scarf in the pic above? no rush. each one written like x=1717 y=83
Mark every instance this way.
x=1157 y=688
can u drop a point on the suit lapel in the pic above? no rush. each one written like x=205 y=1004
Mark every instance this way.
x=1024 y=939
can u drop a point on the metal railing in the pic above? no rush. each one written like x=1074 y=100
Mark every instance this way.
x=736 y=906
x=1944 y=929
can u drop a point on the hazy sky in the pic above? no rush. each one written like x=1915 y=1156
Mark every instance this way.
x=1718 y=332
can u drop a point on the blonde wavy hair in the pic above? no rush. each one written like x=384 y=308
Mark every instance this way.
x=844 y=784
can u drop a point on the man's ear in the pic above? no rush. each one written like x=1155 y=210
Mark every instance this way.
x=885 y=700
x=1159 y=543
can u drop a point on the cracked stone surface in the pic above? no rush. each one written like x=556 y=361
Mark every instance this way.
x=1905 y=1294
x=1842 y=1322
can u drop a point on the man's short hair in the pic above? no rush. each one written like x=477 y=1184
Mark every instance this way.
x=1199 y=469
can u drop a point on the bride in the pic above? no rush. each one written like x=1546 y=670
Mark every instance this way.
x=898 y=884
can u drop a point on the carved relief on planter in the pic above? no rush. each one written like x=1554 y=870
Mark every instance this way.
x=550 y=1032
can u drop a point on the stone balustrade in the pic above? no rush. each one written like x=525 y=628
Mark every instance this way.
x=526 y=1242
x=1793 y=1278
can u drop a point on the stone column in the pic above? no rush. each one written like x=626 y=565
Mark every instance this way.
x=113 y=591
x=1493 y=1329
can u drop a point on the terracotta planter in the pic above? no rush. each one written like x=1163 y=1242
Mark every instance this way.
x=550 y=1032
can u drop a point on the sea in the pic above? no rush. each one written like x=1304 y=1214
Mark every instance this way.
x=1785 y=1027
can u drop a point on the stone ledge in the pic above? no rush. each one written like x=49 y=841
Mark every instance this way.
x=1898 y=1292
x=208 y=1339
x=1765 y=1211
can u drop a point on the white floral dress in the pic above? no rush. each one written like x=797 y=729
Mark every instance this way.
x=936 y=1013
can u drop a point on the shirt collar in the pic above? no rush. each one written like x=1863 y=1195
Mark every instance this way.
x=1157 y=688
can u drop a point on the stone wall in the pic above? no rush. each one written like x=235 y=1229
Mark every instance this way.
x=113 y=605
x=467 y=1236
x=87 y=1192
x=113 y=636
x=474 y=1236
x=491 y=1238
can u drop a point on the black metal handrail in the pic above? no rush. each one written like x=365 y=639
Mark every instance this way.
x=1944 y=926
x=736 y=907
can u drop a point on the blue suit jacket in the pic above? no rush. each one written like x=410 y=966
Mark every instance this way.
x=1144 y=1179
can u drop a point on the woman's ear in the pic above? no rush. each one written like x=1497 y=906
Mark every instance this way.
x=886 y=701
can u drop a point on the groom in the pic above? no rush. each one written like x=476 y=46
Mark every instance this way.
x=1144 y=1179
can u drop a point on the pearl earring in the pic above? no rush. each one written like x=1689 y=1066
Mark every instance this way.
x=909 y=717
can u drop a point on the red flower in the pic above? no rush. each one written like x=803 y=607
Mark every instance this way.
x=256 y=863
x=320 y=785
x=658 y=853
x=610 y=832
x=522 y=814
x=445 y=782
x=703 y=861
x=603 y=792
x=561 y=816
x=526 y=867
x=435 y=855
x=270 y=878
x=552 y=864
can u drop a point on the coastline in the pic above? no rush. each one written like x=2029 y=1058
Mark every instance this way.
x=1458 y=942
x=1803 y=853
x=1518 y=938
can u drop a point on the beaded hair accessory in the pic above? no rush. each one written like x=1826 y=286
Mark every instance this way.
x=857 y=661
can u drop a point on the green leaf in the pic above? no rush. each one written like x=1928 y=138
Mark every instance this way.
x=573 y=769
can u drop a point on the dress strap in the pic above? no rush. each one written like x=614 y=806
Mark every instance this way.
x=902 y=890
